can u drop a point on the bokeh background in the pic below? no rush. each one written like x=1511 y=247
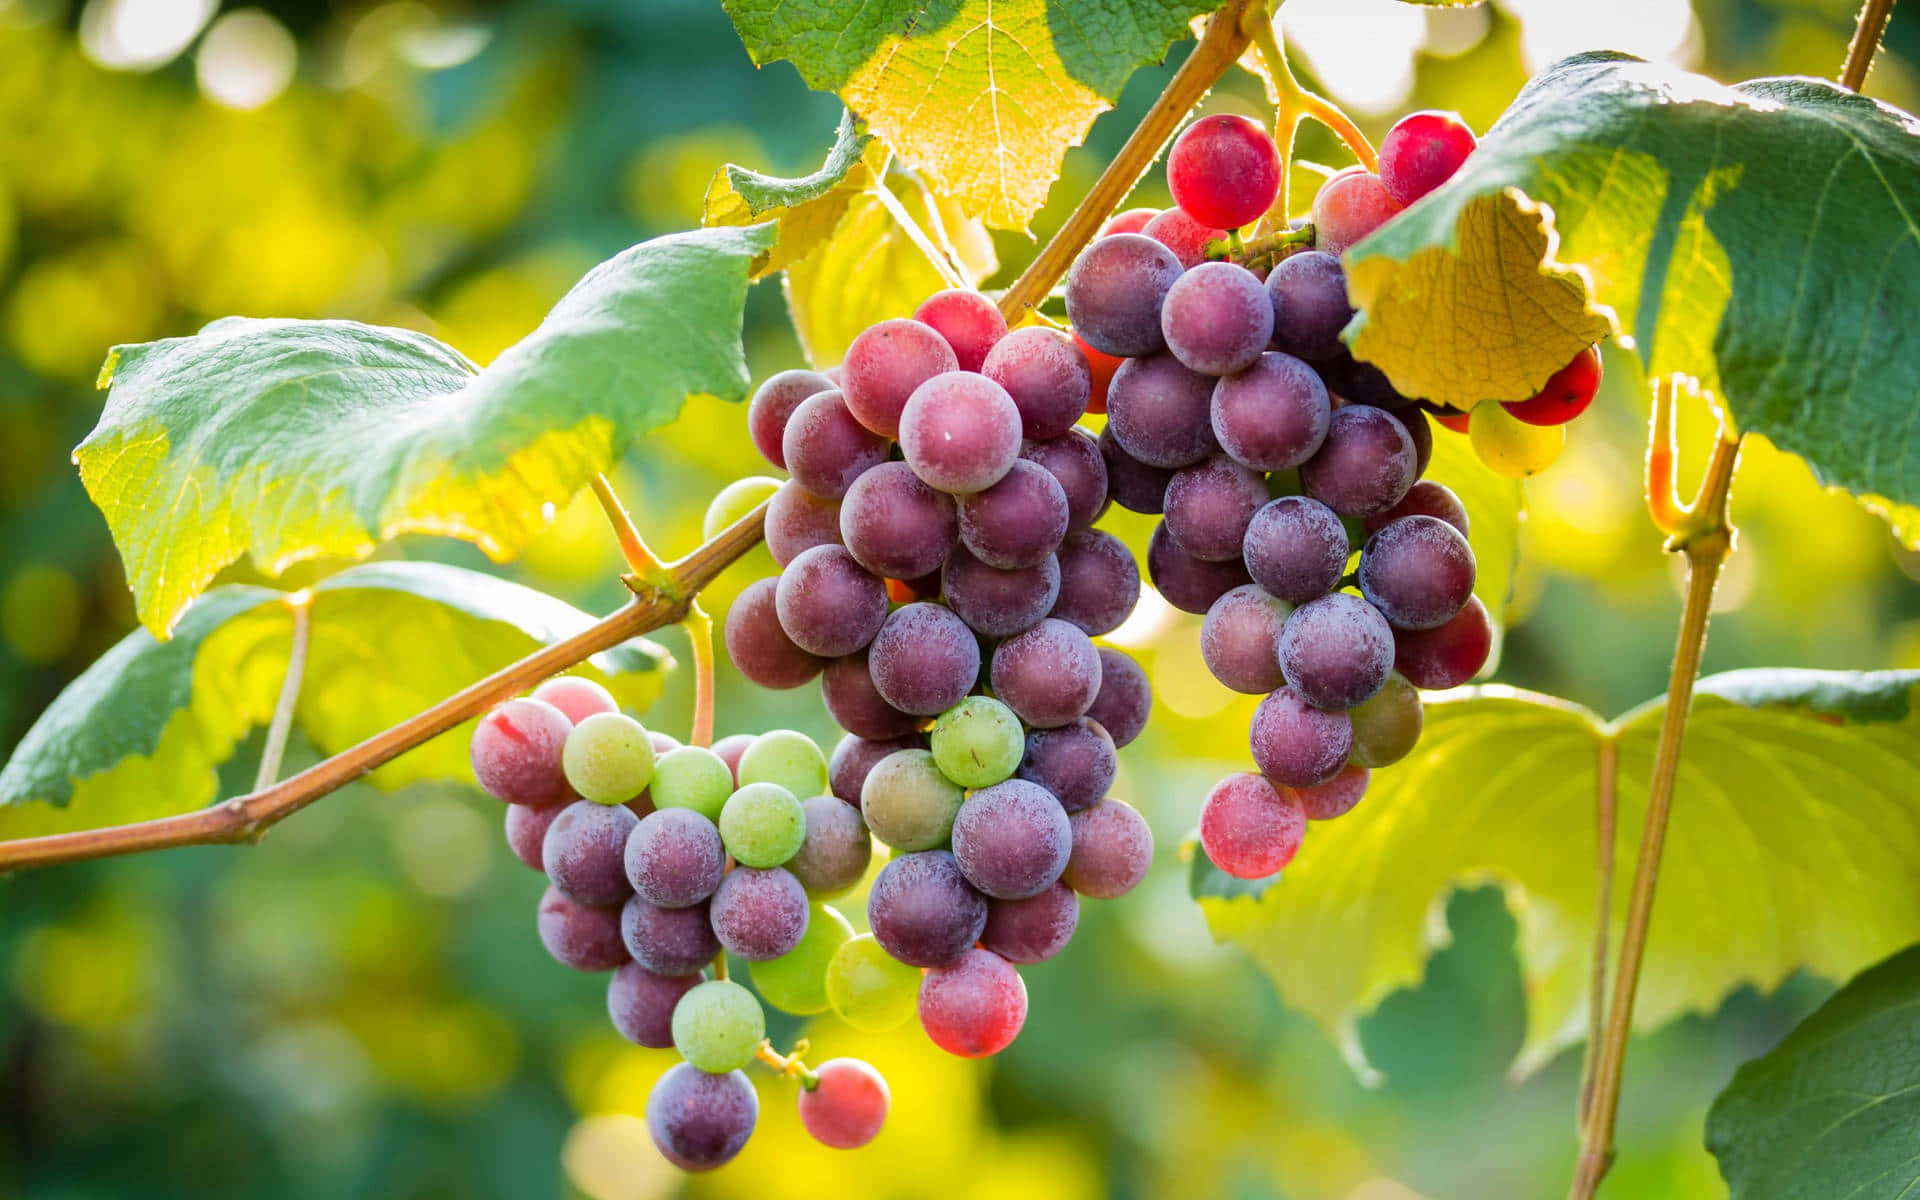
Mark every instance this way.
x=359 y=1006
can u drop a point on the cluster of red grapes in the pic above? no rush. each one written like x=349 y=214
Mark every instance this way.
x=659 y=857
x=1273 y=456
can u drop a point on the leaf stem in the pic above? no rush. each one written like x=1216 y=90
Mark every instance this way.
x=1606 y=781
x=699 y=629
x=949 y=269
x=633 y=547
x=1867 y=29
x=300 y=604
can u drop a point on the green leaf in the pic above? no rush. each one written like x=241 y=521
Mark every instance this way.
x=1206 y=881
x=1760 y=238
x=1792 y=844
x=294 y=439
x=1832 y=1110
x=142 y=731
x=806 y=210
x=985 y=97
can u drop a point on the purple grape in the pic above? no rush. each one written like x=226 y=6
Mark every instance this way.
x=1419 y=432
x=1296 y=548
x=1012 y=839
x=1418 y=571
x=1125 y=699
x=585 y=849
x=527 y=829
x=1240 y=639
x=1425 y=498
x=1017 y=522
x=1134 y=485
x=1217 y=318
x=1296 y=745
x=837 y=848
x=826 y=449
x=1209 y=506
x=1360 y=382
x=516 y=752
x=1049 y=379
x=883 y=366
x=828 y=603
x=1336 y=651
x=759 y=914
x=668 y=941
x=1049 y=675
x=855 y=756
x=960 y=432
x=674 y=858
x=1273 y=415
x=1184 y=581
x=895 y=525
x=1158 y=410
x=1099 y=582
x=996 y=603
x=1309 y=294
x=1365 y=466
x=1115 y=290
x=640 y=1003
x=580 y=936
x=1034 y=929
x=1075 y=461
x=798 y=520
x=1076 y=763
x=756 y=644
x=773 y=404
x=924 y=659
x=923 y=911
x=856 y=704
x=700 y=1121
x=1112 y=849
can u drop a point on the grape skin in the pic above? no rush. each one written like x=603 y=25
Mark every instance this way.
x=896 y=526
x=978 y=742
x=716 y=1026
x=581 y=936
x=1134 y=485
x=856 y=704
x=1075 y=763
x=868 y=988
x=1184 y=581
x=1035 y=929
x=797 y=520
x=576 y=696
x=1112 y=849
x=1427 y=498
x=995 y=603
x=1115 y=290
x=836 y=850
x=1309 y=296
x=826 y=448
x=970 y=323
x=1336 y=651
x=1510 y=446
x=772 y=406
x=1418 y=571
x=796 y=982
x=1240 y=639
x=1011 y=839
x=762 y=824
x=1224 y=170
x=1217 y=318
x=1249 y=828
x=668 y=941
x=608 y=758
x=908 y=803
x=731 y=749
x=758 y=647
x=847 y=1104
x=1272 y=416
x=975 y=1006
x=1296 y=548
x=1049 y=674
x=923 y=911
x=527 y=829
x=1337 y=796
x=1210 y=506
x=516 y=752
x=700 y=1121
x=1099 y=582
x=1449 y=655
x=640 y=1003
x=1125 y=699
x=924 y=659
x=1297 y=745
x=1132 y=220
x=1018 y=521
x=856 y=756
x=1365 y=466
x=674 y=858
x=785 y=757
x=960 y=432
x=1386 y=727
x=885 y=364
x=1347 y=208
x=1048 y=377
x=1158 y=411
x=1075 y=462
x=828 y=604
x=758 y=913
x=1183 y=235
x=584 y=852
x=1421 y=152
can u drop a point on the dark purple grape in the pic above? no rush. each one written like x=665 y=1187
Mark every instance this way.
x=923 y=911
x=580 y=936
x=1296 y=548
x=1017 y=522
x=1099 y=582
x=1134 y=485
x=1240 y=639
x=1034 y=929
x=1336 y=651
x=883 y=366
x=1420 y=433
x=700 y=1121
x=1125 y=699
x=828 y=603
x=1360 y=382
x=960 y=432
x=1076 y=763
x=527 y=830
x=837 y=848
x=1297 y=745
x=895 y=525
x=1273 y=415
x=855 y=756
x=1418 y=571
x=640 y=1003
x=826 y=448
x=1184 y=581
x=1112 y=849
x=516 y=752
x=674 y=858
x=1075 y=461
x=1012 y=839
x=585 y=849
x=996 y=603
x=856 y=704
x=1425 y=498
x=1158 y=410
x=970 y=323
x=924 y=659
x=1309 y=294
x=759 y=914
x=1208 y=508
x=1365 y=466
x=1217 y=318
x=1049 y=675
x=798 y=520
x=1115 y=290
x=1049 y=379
x=668 y=941
x=758 y=647
x=773 y=403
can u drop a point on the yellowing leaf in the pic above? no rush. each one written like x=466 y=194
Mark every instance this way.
x=805 y=210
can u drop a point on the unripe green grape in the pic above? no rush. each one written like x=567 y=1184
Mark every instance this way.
x=868 y=988
x=978 y=742
x=908 y=803
x=608 y=758
x=787 y=758
x=692 y=777
x=796 y=982
x=736 y=500
x=762 y=825
x=718 y=1025
x=1510 y=446
x=1388 y=724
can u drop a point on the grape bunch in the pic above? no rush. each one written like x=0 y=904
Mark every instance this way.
x=663 y=858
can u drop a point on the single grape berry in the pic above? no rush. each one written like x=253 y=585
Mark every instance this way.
x=608 y=758
x=1112 y=849
x=1186 y=237
x=923 y=910
x=517 y=750
x=924 y=659
x=1296 y=548
x=1099 y=582
x=1347 y=208
x=854 y=757
x=1049 y=674
x=845 y=1103
x=1210 y=505
x=884 y=364
x=1273 y=415
x=786 y=757
x=1309 y=294
x=908 y=803
x=1159 y=412
x=1249 y=828
x=995 y=603
x=640 y=1003
x=730 y=750
x=1564 y=396
x=797 y=521
x=718 y=1025
x=1134 y=485
x=1336 y=651
x=759 y=914
x=668 y=941
x=1366 y=464
x=674 y=858
x=700 y=1121
x=585 y=849
x=826 y=448
x=1427 y=498
x=527 y=829
x=896 y=526
x=1421 y=152
x=1076 y=763
x=1035 y=929
x=576 y=696
x=1186 y=582
x=960 y=432
x=1418 y=571
x=1296 y=745
x=757 y=645
x=1386 y=727
x=1125 y=699
x=1217 y=318
x=762 y=825
x=1337 y=796
x=1012 y=839
x=975 y=1006
x=828 y=603
x=1510 y=446
x=1050 y=380
x=837 y=848
x=796 y=982
x=970 y=323
x=1240 y=639
x=868 y=988
x=772 y=406
x=857 y=705
x=581 y=936
x=978 y=742
x=1075 y=461
x=1018 y=521
x=1449 y=655
x=1224 y=170
x=1131 y=221
x=1115 y=290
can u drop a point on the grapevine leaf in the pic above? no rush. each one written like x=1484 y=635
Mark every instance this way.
x=1205 y=881
x=985 y=97
x=805 y=210
x=1789 y=781
x=1759 y=238
x=294 y=439
x=1832 y=1109
x=141 y=732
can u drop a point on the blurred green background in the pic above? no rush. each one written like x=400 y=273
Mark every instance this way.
x=359 y=1007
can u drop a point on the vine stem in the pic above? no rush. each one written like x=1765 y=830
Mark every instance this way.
x=789 y=1065
x=633 y=547
x=1293 y=104
x=699 y=628
x=1867 y=29
x=1606 y=780
x=301 y=606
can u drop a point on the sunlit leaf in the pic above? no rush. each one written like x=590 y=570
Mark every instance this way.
x=806 y=210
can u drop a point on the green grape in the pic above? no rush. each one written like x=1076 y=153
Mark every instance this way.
x=1387 y=725
x=978 y=742
x=692 y=777
x=762 y=825
x=797 y=980
x=908 y=803
x=868 y=988
x=736 y=500
x=717 y=1026
x=608 y=758
x=787 y=758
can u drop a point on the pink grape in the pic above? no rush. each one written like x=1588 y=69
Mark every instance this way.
x=516 y=752
x=1309 y=294
x=576 y=696
x=640 y=1003
x=856 y=705
x=896 y=526
x=1099 y=582
x=1112 y=849
x=758 y=647
x=1217 y=318
x=674 y=858
x=1449 y=655
x=1347 y=208
x=996 y=603
x=759 y=914
x=1296 y=548
x=1297 y=745
x=580 y=936
x=1048 y=377
x=527 y=828
x=1240 y=639
x=731 y=747
x=845 y=1104
x=960 y=432
x=1012 y=839
x=1418 y=571
x=826 y=449
x=924 y=659
x=1158 y=410
x=923 y=911
x=797 y=521
x=1125 y=699
x=1249 y=828
x=1075 y=462
x=1183 y=235
x=828 y=603
x=1049 y=675
x=1273 y=415
x=1115 y=290
x=1131 y=221
x=1134 y=485
x=1018 y=521
x=1366 y=464
x=1210 y=505
x=975 y=1006
x=885 y=364
x=772 y=406
x=1075 y=763
x=668 y=941
x=1426 y=498
x=1035 y=929
x=1337 y=796
x=1189 y=584
x=584 y=852
x=970 y=323
x=699 y=1121
x=1336 y=651
x=854 y=757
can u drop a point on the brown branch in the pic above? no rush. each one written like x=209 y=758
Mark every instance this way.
x=1867 y=29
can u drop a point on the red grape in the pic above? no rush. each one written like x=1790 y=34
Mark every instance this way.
x=1421 y=152
x=1224 y=170
x=1183 y=235
x=1450 y=655
x=516 y=752
x=845 y=1104
x=885 y=363
x=975 y=1006
x=1349 y=207
x=1131 y=221
x=772 y=406
x=1249 y=828
x=758 y=647
x=1337 y=796
x=960 y=432
x=969 y=322
x=580 y=936
x=1112 y=849
x=1566 y=393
